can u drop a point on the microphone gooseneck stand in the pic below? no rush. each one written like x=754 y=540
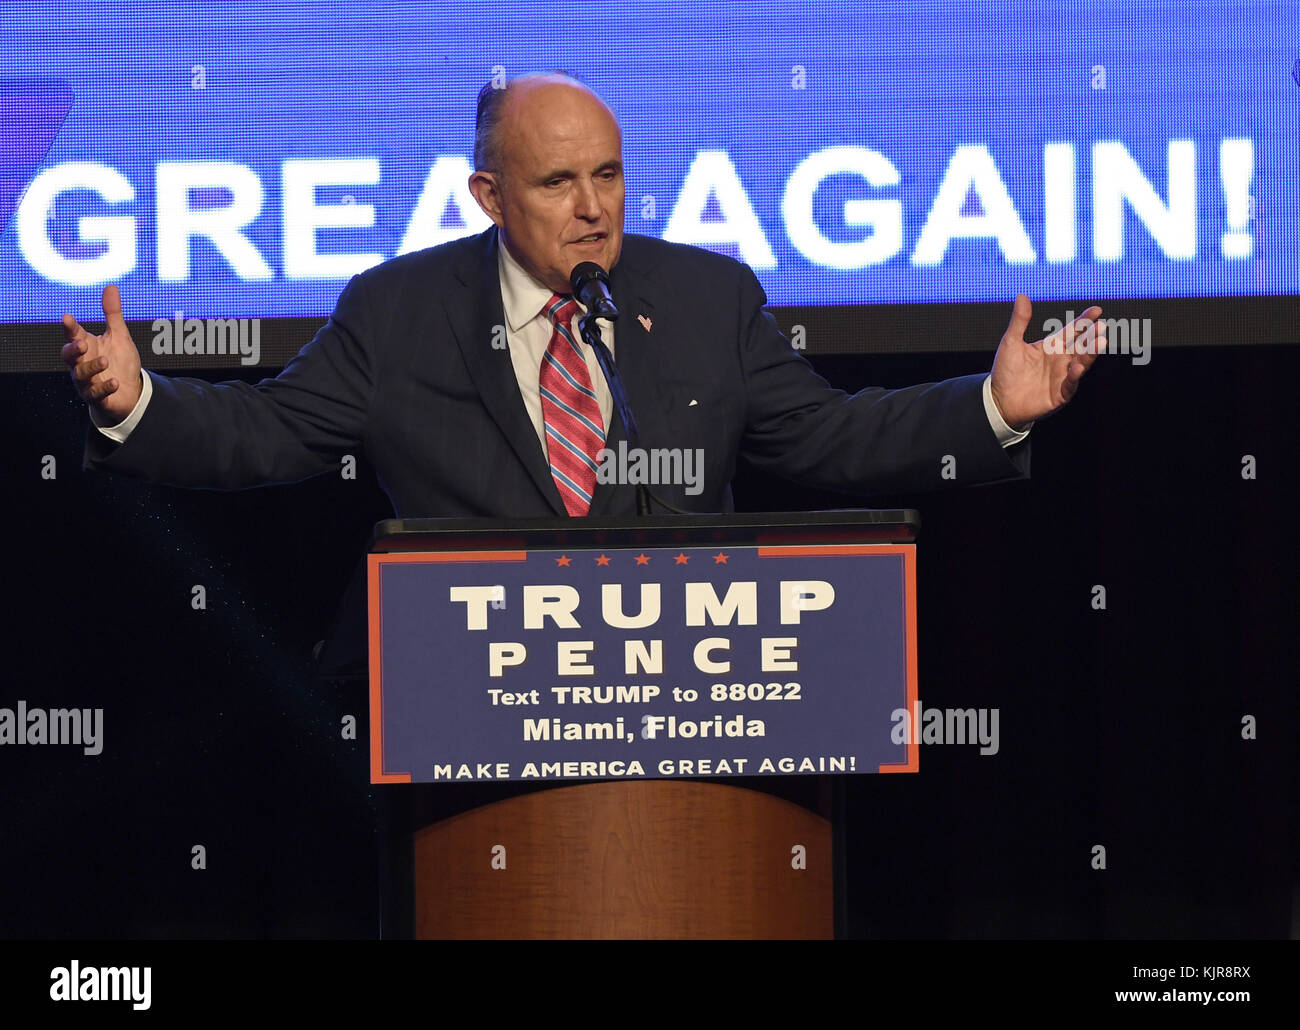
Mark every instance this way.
x=591 y=335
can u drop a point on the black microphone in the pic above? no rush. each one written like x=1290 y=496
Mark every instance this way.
x=590 y=285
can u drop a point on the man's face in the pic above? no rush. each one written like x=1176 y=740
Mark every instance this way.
x=561 y=201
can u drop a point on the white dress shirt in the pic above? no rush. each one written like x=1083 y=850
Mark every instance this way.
x=528 y=333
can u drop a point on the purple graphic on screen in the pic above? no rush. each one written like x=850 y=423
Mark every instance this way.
x=32 y=111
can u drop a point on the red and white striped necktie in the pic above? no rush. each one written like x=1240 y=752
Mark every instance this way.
x=575 y=432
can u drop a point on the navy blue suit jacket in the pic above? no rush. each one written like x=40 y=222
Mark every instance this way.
x=405 y=371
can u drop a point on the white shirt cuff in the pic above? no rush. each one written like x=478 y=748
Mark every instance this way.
x=1007 y=436
x=123 y=429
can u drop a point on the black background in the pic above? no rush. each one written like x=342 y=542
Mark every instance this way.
x=1120 y=727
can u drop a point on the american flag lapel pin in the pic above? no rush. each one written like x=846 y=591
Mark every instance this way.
x=645 y=322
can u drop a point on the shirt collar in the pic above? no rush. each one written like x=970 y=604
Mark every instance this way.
x=522 y=296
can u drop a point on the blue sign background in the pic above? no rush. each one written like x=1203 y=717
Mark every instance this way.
x=852 y=660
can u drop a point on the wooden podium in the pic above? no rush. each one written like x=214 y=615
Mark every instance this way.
x=723 y=857
x=659 y=858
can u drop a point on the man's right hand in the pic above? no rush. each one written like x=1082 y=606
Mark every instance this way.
x=105 y=369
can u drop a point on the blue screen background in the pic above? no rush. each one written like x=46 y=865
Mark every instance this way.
x=954 y=105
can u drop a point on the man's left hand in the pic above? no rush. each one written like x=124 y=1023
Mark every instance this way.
x=1031 y=380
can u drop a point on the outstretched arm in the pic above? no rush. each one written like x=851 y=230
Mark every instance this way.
x=233 y=435
x=886 y=441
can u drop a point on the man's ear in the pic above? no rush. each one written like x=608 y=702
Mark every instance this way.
x=487 y=192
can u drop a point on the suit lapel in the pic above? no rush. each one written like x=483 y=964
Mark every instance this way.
x=477 y=326
x=480 y=319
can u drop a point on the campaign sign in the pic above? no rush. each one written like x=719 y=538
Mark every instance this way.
x=662 y=662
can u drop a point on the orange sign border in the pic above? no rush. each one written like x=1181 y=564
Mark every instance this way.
x=376 y=562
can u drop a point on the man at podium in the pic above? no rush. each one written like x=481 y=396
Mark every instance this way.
x=460 y=372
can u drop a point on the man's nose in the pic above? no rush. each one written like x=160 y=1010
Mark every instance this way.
x=586 y=202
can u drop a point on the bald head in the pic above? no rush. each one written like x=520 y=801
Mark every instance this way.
x=548 y=158
x=498 y=107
